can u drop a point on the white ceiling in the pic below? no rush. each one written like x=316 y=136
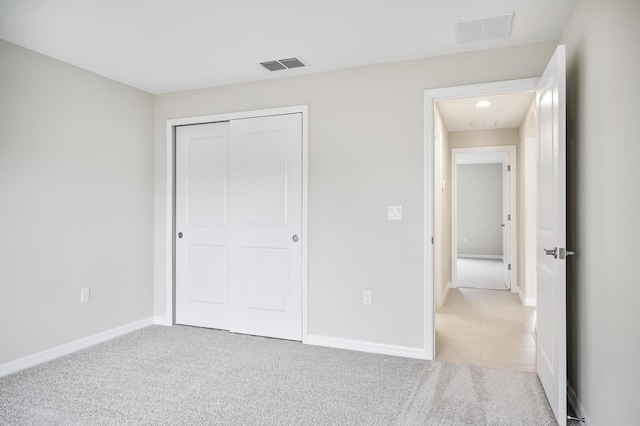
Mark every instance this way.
x=505 y=112
x=162 y=46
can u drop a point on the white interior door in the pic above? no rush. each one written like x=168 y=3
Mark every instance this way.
x=202 y=223
x=267 y=191
x=551 y=236
x=506 y=224
x=238 y=224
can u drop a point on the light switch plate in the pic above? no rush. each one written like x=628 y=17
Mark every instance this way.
x=84 y=295
x=395 y=212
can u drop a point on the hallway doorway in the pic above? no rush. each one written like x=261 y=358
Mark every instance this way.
x=472 y=321
x=484 y=231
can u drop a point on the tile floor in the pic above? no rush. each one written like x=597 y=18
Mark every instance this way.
x=486 y=327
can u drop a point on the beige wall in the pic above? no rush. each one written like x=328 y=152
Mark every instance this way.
x=76 y=206
x=480 y=138
x=442 y=209
x=603 y=208
x=526 y=205
x=366 y=135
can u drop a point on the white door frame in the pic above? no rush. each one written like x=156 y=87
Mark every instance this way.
x=513 y=240
x=170 y=195
x=430 y=97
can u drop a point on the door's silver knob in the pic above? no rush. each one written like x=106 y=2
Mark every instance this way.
x=295 y=238
x=179 y=234
x=553 y=252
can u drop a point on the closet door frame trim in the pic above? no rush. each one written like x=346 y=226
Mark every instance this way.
x=170 y=231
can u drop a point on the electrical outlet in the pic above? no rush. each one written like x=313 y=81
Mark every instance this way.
x=394 y=212
x=84 y=295
x=366 y=298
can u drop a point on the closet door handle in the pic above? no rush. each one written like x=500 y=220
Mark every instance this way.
x=295 y=238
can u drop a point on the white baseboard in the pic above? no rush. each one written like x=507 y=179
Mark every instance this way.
x=53 y=353
x=371 y=347
x=525 y=301
x=577 y=405
x=445 y=294
x=162 y=321
x=480 y=256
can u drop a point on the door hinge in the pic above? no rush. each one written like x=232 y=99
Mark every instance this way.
x=508 y=217
x=509 y=168
x=509 y=267
x=431 y=240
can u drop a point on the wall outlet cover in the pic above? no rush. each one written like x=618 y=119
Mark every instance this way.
x=395 y=212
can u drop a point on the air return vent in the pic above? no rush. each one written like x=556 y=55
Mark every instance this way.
x=273 y=65
x=470 y=30
x=283 y=64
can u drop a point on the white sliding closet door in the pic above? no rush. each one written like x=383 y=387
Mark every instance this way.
x=202 y=225
x=239 y=211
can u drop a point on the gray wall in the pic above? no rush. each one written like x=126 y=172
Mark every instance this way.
x=527 y=176
x=603 y=208
x=76 y=203
x=479 y=188
x=366 y=135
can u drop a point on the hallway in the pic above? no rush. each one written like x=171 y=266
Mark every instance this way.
x=488 y=328
x=481 y=273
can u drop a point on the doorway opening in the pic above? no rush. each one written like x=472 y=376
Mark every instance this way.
x=474 y=314
x=549 y=287
x=483 y=228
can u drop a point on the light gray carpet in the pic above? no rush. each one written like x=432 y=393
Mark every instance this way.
x=481 y=273
x=192 y=376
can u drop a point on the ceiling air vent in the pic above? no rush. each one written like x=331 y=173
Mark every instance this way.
x=492 y=123
x=470 y=30
x=283 y=64
x=273 y=65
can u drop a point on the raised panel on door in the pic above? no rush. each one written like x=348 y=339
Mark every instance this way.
x=264 y=178
x=207 y=274
x=201 y=225
x=206 y=183
x=264 y=279
x=269 y=193
x=546 y=235
x=544 y=342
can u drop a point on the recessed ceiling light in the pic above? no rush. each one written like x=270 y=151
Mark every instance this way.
x=483 y=104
